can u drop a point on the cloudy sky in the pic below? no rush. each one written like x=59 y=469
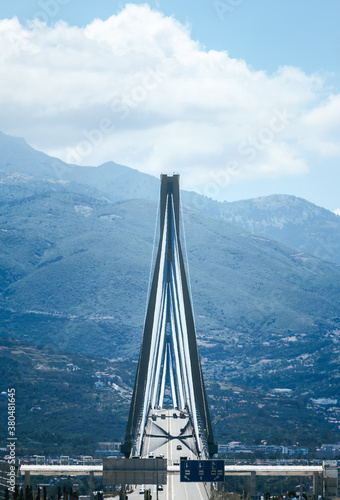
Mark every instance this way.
x=241 y=97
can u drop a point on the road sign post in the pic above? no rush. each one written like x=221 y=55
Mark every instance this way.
x=206 y=471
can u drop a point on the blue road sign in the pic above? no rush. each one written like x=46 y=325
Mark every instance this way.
x=207 y=471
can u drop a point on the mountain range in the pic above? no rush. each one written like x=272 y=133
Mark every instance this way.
x=287 y=219
x=76 y=245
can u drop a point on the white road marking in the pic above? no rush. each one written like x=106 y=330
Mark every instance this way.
x=169 y=431
x=185 y=490
x=199 y=491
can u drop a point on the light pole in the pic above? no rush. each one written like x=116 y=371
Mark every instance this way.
x=157 y=479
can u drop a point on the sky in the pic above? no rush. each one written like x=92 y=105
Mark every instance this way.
x=241 y=97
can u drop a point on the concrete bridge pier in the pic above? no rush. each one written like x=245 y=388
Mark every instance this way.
x=315 y=485
x=122 y=495
x=251 y=484
x=27 y=479
x=91 y=485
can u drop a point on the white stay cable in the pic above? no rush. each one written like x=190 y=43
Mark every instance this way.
x=179 y=372
x=160 y=350
x=161 y=395
x=152 y=258
x=185 y=333
x=187 y=261
x=156 y=324
x=172 y=379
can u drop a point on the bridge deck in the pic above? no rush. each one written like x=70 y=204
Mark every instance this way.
x=169 y=434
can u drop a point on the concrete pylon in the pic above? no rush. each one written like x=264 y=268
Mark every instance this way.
x=169 y=351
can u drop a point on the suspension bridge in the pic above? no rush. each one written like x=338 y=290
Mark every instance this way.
x=169 y=373
x=169 y=421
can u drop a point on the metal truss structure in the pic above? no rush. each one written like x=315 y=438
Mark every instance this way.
x=169 y=370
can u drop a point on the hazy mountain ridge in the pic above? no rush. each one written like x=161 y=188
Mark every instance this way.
x=289 y=220
x=74 y=271
x=71 y=257
x=19 y=161
x=292 y=221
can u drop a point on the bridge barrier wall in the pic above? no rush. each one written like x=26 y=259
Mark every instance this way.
x=134 y=471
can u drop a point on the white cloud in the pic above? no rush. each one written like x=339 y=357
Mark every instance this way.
x=138 y=90
x=320 y=130
x=337 y=211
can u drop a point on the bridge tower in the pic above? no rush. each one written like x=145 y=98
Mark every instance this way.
x=169 y=370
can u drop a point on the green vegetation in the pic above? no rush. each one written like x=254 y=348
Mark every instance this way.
x=68 y=403
x=65 y=404
x=75 y=251
x=69 y=272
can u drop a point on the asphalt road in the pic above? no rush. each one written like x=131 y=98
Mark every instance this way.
x=170 y=436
